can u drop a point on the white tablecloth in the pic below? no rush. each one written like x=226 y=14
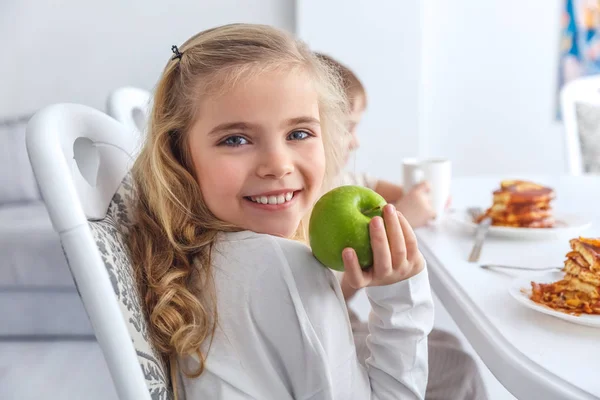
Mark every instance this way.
x=535 y=356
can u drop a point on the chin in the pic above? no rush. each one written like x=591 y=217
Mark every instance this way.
x=278 y=229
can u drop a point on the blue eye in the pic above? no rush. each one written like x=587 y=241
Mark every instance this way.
x=298 y=135
x=235 y=141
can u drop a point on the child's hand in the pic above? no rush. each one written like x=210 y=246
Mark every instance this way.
x=415 y=206
x=448 y=203
x=396 y=256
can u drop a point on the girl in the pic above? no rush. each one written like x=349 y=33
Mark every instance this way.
x=453 y=373
x=244 y=135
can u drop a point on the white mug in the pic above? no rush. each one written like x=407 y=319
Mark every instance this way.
x=436 y=171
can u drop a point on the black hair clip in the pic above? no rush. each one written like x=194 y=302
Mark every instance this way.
x=177 y=53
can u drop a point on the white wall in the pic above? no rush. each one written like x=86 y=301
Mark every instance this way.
x=380 y=41
x=77 y=51
x=489 y=85
x=467 y=79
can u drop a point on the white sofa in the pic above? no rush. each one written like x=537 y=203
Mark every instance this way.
x=37 y=295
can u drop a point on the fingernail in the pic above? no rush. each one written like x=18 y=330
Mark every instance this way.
x=391 y=209
x=377 y=222
x=347 y=254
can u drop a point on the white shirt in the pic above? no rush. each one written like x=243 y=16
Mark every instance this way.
x=357 y=179
x=284 y=332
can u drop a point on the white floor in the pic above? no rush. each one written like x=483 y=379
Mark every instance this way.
x=75 y=370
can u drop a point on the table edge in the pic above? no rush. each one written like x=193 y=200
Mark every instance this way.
x=506 y=362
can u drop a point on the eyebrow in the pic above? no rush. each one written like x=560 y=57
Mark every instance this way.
x=302 y=120
x=244 y=126
x=229 y=126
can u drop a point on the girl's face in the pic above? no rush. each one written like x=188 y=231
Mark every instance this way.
x=258 y=153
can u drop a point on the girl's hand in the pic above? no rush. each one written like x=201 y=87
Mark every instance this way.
x=396 y=256
x=415 y=205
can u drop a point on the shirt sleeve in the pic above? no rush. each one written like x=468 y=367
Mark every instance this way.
x=309 y=344
x=370 y=181
x=399 y=323
x=358 y=179
x=291 y=347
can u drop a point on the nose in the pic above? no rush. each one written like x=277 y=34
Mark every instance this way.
x=275 y=162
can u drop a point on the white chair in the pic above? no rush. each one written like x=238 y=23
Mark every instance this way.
x=582 y=91
x=131 y=107
x=81 y=159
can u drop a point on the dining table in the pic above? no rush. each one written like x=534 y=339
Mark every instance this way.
x=533 y=354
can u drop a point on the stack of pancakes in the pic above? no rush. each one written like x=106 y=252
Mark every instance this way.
x=579 y=291
x=521 y=204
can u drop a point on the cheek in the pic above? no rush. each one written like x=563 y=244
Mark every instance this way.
x=219 y=179
x=316 y=163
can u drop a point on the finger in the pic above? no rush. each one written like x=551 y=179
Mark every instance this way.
x=423 y=186
x=395 y=237
x=382 y=259
x=448 y=202
x=355 y=276
x=410 y=240
x=431 y=212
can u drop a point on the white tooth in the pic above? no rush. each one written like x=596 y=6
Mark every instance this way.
x=288 y=196
x=272 y=199
x=253 y=199
x=280 y=199
x=264 y=199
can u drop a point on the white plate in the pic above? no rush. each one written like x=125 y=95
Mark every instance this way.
x=520 y=290
x=566 y=225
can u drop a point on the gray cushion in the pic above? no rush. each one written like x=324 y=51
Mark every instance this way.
x=17 y=182
x=37 y=293
x=111 y=234
x=588 y=121
x=34 y=312
x=30 y=250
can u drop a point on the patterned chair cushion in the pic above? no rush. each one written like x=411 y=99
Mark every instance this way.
x=588 y=122
x=110 y=234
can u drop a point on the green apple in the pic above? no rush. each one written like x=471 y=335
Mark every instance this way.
x=341 y=219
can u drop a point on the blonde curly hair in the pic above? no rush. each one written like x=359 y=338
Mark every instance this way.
x=171 y=240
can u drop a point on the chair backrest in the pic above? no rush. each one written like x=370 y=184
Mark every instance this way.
x=81 y=159
x=580 y=109
x=131 y=107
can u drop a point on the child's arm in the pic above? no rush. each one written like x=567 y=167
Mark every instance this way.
x=309 y=332
x=391 y=192
x=409 y=305
x=401 y=318
x=402 y=307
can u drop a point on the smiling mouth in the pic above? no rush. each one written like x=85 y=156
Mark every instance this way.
x=273 y=199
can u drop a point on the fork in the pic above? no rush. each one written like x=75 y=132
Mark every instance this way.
x=480 y=233
x=474 y=212
x=519 y=267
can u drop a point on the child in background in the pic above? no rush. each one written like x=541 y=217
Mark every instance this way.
x=453 y=374
x=244 y=136
x=414 y=205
